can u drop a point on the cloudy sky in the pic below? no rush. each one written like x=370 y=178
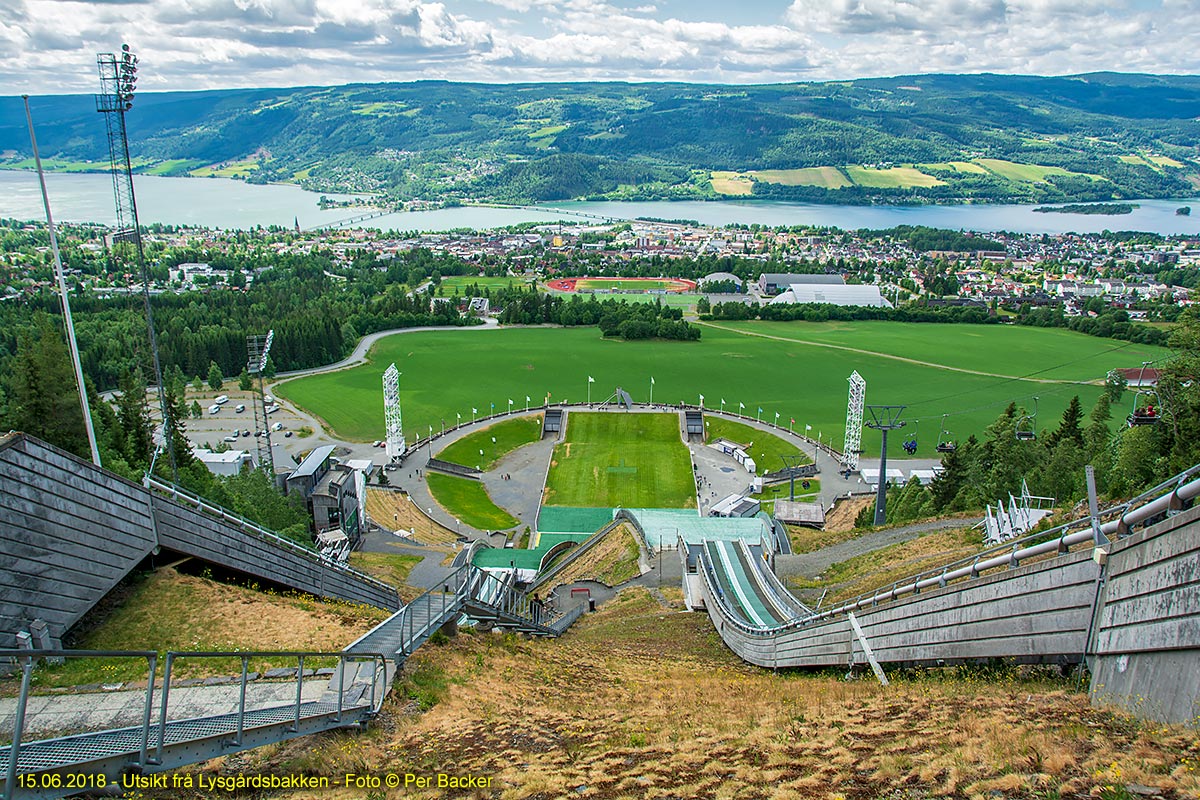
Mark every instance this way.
x=49 y=46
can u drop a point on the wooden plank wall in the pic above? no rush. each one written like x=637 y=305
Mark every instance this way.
x=69 y=532
x=1034 y=613
x=1148 y=630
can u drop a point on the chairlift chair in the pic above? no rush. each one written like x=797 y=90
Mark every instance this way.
x=910 y=444
x=1026 y=429
x=1146 y=408
x=945 y=445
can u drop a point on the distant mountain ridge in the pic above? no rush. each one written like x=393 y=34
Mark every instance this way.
x=1095 y=137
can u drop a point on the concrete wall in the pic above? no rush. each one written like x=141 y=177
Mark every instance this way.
x=69 y=532
x=1147 y=643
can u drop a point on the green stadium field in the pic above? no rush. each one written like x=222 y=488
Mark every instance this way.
x=508 y=434
x=621 y=460
x=970 y=372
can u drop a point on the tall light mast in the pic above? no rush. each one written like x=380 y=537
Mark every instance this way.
x=118 y=78
x=392 y=425
x=854 y=421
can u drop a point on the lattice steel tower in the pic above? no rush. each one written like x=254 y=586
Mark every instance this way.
x=258 y=347
x=393 y=428
x=118 y=78
x=854 y=421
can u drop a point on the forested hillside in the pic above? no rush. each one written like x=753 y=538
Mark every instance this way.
x=934 y=137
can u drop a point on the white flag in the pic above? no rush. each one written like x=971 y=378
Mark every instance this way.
x=701 y=399
x=591 y=379
x=651 y=380
x=527 y=398
x=742 y=406
x=459 y=414
x=474 y=410
x=808 y=427
x=776 y=415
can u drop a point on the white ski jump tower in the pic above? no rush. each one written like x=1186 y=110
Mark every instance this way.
x=391 y=413
x=854 y=421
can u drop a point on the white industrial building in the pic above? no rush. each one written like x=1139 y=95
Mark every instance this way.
x=853 y=295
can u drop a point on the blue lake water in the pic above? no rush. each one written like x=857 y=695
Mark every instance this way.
x=225 y=203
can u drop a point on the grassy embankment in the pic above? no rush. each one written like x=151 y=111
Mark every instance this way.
x=640 y=700
x=167 y=610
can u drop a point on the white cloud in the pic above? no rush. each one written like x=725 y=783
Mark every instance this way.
x=49 y=45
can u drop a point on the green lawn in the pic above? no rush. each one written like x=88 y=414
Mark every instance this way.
x=468 y=501
x=627 y=460
x=767 y=450
x=448 y=372
x=620 y=283
x=1031 y=173
x=496 y=441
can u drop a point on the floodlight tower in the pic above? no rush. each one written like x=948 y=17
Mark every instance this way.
x=854 y=421
x=258 y=347
x=118 y=78
x=884 y=419
x=393 y=429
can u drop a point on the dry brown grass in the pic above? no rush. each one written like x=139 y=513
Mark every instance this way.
x=612 y=562
x=393 y=510
x=641 y=702
x=884 y=567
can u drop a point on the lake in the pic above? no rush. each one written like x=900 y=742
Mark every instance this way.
x=225 y=203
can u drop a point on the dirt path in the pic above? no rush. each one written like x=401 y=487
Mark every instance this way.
x=893 y=357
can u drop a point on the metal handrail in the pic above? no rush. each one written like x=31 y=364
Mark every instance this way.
x=255 y=529
x=245 y=656
x=27 y=659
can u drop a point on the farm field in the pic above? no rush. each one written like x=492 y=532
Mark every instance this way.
x=630 y=460
x=969 y=167
x=829 y=177
x=802 y=379
x=893 y=178
x=496 y=441
x=734 y=183
x=1032 y=173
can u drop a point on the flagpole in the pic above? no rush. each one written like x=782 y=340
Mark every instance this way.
x=62 y=290
x=651 y=390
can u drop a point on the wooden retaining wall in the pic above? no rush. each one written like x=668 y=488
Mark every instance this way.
x=1147 y=642
x=69 y=532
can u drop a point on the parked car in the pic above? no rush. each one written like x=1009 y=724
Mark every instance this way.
x=214 y=409
x=278 y=426
x=240 y=407
x=222 y=400
x=245 y=432
x=268 y=399
x=230 y=439
x=287 y=434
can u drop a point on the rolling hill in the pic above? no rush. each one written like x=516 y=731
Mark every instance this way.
x=924 y=138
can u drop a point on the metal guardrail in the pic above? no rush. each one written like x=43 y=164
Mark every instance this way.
x=254 y=529
x=28 y=658
x=583 y=547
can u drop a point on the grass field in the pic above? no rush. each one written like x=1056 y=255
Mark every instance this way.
x=893 y=178
x=468 y=501
x=453 y=282
x=630 y=460
x=496 y=441
x=229 y=169
x=638 y=285
x=829 y=177
x=1164 y=161
x=799 y=372
x=734 y=183
x=767 y=451
x=969 y=167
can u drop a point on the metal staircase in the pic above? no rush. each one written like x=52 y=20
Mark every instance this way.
x=51 y=768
